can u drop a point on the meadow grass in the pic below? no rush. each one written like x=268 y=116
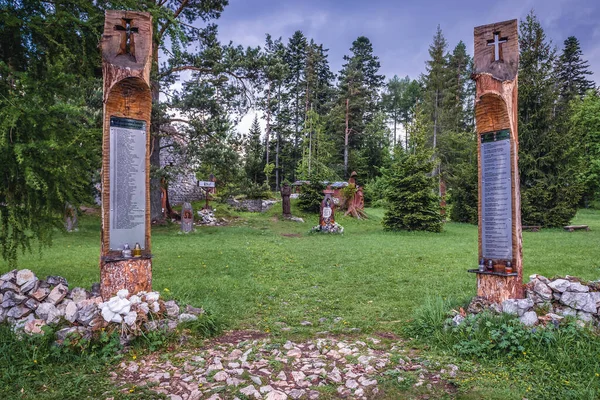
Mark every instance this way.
x=262 y=272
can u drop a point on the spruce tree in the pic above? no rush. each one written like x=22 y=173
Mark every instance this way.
x=254 y=160
x=434 y=84
x=548 y=158
x=411 y=195
x=573 y=71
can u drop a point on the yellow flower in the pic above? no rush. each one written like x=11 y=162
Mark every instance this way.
x=166 y=290
x=35 y=362
x=134 y=357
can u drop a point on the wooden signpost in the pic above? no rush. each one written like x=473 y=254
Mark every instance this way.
x=208 y=187
x=496 y=114
x=126 y=62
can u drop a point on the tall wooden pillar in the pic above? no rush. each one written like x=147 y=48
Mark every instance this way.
x=126 y=63
x=496 y=114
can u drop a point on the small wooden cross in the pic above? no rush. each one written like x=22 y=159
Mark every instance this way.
x=127 y=42
x=496 y=42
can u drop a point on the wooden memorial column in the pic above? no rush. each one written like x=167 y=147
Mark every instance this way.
x=126 y=62
x=496 y=115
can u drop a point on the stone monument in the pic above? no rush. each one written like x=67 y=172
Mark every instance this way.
x=496 y=114
x=187 y=218
x=126 y=62
x=71 y=221
x=286 y=192
x=327 y=215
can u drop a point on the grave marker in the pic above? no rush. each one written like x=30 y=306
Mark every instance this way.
x=187 y=218
x=286 y=192
x=126 y=63
x=500 y=241
x=327 y=215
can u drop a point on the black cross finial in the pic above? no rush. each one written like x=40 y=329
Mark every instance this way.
x=127 y=31
x=496 y=42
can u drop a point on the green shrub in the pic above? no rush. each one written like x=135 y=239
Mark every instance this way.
x=311 y=195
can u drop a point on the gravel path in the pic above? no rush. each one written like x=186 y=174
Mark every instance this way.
x=249 y=365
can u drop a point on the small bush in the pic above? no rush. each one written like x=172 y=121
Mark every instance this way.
x=311 y=195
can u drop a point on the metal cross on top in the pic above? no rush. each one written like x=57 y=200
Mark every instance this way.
x=496 y=42
x=127 y=43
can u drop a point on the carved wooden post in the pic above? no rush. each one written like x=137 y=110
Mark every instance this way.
x=496 y=114
x=126 y=62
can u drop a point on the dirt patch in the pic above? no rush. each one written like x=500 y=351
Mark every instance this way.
x=295 y=235
x=387 y=335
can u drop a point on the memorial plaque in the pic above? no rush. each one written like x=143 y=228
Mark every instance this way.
x=128 y=182
x=496 y=200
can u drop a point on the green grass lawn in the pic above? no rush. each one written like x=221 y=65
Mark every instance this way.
x=260 y=271
x=264 y=273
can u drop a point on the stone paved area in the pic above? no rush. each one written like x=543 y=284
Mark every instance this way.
x=249 y=365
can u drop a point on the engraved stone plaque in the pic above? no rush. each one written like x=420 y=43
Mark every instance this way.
x=127 y=182
x=496 y=199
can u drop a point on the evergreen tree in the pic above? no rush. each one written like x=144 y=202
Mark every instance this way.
x=411 y=193
x=50 y=119
x=358 y=95
x=572 y=72
x=459 y=91
x=585 y=126
x=295 y=57
x=254 y=161
x=548 y=158
x=434 y=84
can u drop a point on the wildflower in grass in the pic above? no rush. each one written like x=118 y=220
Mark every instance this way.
x=166 y=290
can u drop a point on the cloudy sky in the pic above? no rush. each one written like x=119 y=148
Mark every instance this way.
x=401 y=31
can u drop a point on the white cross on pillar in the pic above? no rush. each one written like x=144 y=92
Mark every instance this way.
x=496 y=43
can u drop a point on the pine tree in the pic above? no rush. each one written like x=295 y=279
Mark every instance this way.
x=459 y=91
x=254 y=160
x=434 y=83
x=548 y=158
x=572 y=72
x=411 y=193
x=358 y=95
x=50 y=123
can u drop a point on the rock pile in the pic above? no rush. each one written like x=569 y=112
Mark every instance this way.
x=548 y=300
x=207 y=217
x=330 y=228
x=28 y=304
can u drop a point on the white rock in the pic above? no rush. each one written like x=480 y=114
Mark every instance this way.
x=560 y=285
x=143 y=307
x=276 y=395
x=351 y=384
x=298 y=375
x=48 y=312
x=335 y=375
x=579 y=301
x=130 y=318
x=266 y=389
x=187 y=317
x=529 y=318
x=509 y=306
x=152 y=296
x=123 y=293
x=155 y=307
x=24 y=276
x=71 y=312
x=221 y=376
x=542 y=290
x=578 y=287
x=135 y=299
x=523 y=305
x=281 y=376
x=296 y=393
x=250 y=391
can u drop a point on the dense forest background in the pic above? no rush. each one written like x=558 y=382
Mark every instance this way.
x=318 y=124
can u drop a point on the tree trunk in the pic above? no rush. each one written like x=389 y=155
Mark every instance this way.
x=268 y=127
x=155 y=191
x=346 y=135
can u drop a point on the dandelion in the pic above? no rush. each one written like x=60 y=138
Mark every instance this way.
x=134 y=357
x=166 y=290
x=35 y=362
